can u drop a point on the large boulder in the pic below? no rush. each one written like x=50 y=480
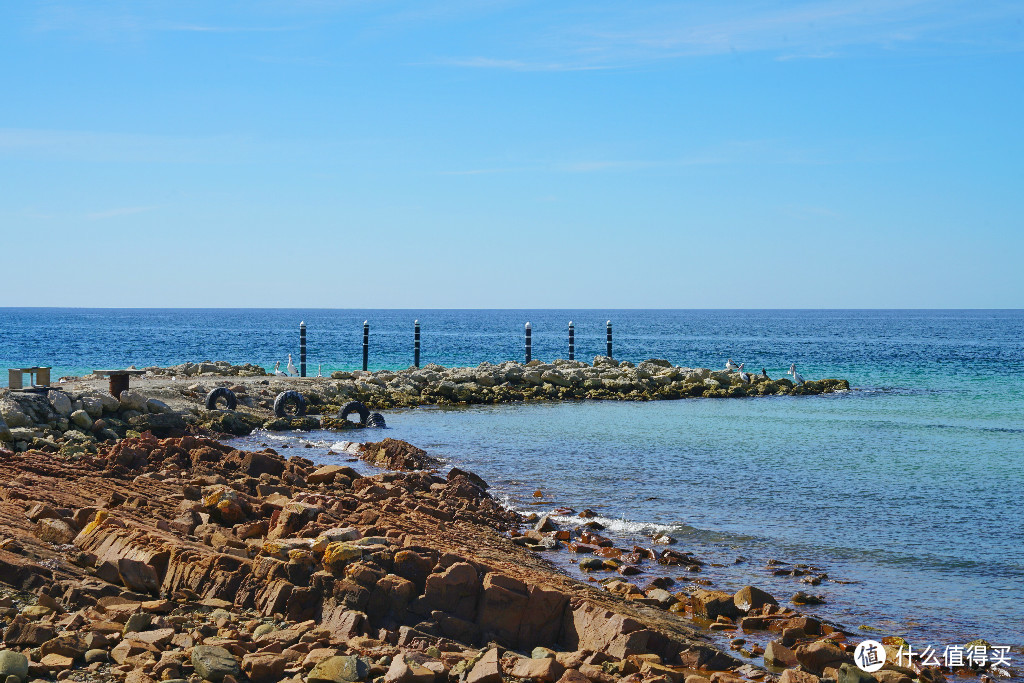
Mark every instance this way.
x=213 y=662
x=13 y=415
x=749 y=597
x=162 y=425
x=132 y=400
x=60 y=402
x=340 y=669
x=395 y=454
x=81 y=419
x=13 y=664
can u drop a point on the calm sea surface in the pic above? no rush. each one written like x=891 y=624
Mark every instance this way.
x=907 y=489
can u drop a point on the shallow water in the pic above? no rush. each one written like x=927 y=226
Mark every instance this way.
x=909 y=486
x=931 y=554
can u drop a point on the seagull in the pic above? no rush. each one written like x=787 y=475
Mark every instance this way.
x=277 y=370
x=729 y=365
x=744 y=377
x=318 y=366
x=797 y=377
x=292 y=372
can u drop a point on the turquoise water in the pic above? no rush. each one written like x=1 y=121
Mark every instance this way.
x=909 y=487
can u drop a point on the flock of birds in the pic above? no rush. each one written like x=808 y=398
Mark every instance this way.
x=745 y=376
x=292 y=370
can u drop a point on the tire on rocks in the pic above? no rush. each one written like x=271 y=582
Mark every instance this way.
x=221 y=393
x=290 y=398
x=355 y=407
x=376 y=420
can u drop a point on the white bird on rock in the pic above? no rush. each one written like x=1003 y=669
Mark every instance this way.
x=318 y=366
x=292 y=371
x=729 y=365
x=797 y=377
x=277 y=370
x=744 y=377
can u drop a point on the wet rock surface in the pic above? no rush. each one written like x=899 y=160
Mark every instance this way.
x=190 y=559
x=183 y=559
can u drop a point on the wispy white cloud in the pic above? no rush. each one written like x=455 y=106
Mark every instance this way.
x=745 y=152
x=517 y=64
x=116 y=21
x=93 y=146
x=119 y=211
x=604 y=36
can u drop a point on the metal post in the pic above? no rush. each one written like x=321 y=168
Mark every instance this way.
x=529 y=341
x=366 y=343
x=416 y=343
x=572 y=341
x=609 y=354
x=302 y=349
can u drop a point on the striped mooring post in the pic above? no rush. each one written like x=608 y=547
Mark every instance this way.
x=366 y=343
x=609 y=354
x=572 y=341
x=416 y=343
x=529 y=342
x=302 y=349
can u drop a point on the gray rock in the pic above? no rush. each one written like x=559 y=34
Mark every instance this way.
x=161 y=424
x=263 y=629
x=139 y=621
x=95 y=655
x=346 y=669
x=110 y=404
x=132 y=400
x=155 y=405
x=5 y=431
x=93 y=406
x=13 y=664
x=60 y=402
x=81 y=419
x=12 y=413
x=213 y=662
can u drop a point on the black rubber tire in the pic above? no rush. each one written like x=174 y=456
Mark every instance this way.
x=376 y=420
x=221 y=393
x=355 y=407
x=286 y=398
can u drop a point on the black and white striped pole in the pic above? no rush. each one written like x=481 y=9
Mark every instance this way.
x=366 y=343
x=529 y=342
x=302 y=349
x=572 y=341
x=416 y=343
x=609 y=354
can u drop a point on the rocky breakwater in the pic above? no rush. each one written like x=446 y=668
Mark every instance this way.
x=180 y=558
x=70 y=423
x=605 y=379
x=208 y=368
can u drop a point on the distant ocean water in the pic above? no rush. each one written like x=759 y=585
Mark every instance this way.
x=910 y=486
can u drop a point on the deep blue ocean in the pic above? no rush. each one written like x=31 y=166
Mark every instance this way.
x=907 y=489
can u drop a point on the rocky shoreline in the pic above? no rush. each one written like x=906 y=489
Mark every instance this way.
x=183 y=559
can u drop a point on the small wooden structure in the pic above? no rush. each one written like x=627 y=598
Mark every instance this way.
x=118 y=379
x=38 y=376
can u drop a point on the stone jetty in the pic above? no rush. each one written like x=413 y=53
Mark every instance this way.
x=79 y=413
x=604 y=379
x=182 y=559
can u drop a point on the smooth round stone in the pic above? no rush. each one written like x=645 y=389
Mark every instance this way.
x=13 y=664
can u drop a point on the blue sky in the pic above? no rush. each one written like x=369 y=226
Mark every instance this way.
x=503 y=153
